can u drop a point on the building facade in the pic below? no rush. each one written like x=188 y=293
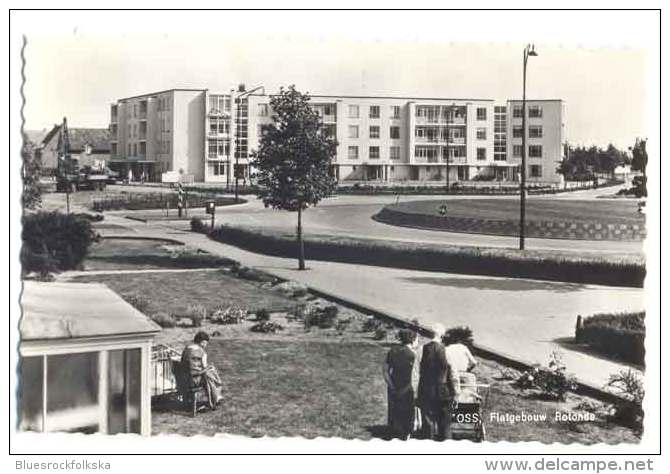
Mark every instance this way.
x=205 y=136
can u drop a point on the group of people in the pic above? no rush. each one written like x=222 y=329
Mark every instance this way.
x=424 y=387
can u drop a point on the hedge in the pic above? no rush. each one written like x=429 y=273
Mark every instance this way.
x=431 y=257
x=620 y=335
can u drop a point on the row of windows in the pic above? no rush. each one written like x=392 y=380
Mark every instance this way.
x=534 y=151
x=374 y=131
x=534 y=111
x=434 y=113
x=134 y=150
x=431 y=154
x=219 y=126
x=436 y=134
x=219 y=104
x=534 y=131
x=216 y=148
x=373 y=152
x=374 y=111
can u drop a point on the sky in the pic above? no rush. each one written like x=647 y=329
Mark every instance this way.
x=77 y=68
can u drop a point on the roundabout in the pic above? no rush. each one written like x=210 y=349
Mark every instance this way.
x=549 y=219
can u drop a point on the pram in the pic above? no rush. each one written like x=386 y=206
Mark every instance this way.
x=467 y=418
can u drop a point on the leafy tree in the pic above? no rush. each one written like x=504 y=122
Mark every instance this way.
x=640 y=158
x=31 y=196
x=583 y=164
x=292 y=164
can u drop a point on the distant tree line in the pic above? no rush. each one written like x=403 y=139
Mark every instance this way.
x=586 y=163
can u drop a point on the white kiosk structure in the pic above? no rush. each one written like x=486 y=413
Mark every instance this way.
x=85 y=357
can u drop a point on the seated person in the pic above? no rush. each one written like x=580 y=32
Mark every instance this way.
x=461 y=360
x=194 y=360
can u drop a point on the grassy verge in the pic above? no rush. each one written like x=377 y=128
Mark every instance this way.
x=539 y=265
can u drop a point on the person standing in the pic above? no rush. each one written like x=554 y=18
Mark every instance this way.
x=398 y=369
x=438 y=388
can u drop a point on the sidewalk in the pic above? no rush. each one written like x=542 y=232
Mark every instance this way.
x=525 y=319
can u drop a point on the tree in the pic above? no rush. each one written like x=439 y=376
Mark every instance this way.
x=292 y=164
x=639 y=162
x=31 y=196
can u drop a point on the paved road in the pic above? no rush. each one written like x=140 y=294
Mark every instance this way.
x=527 y=319
x=351 y=216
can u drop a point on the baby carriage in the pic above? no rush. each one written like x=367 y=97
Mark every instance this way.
x=467 y=419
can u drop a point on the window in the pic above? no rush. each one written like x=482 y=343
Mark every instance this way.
x=217 y=148
x=517 y=131
x=394 y=132
x=374 y=111
x=263 y=110
x=112 y=149
x=535 y=131
x=219 y=169
x=517 y=111
x=218 y=104
x=353 y=111
x=374 y=131
x=395 y=111
x=353 y=131
x=481 y=134
x=516 y=151
x=329 y=130
x=394 y=152
x=134 y=149
x=481 y=153
x=459 y=152
x=143 y=148
x=219 y=126
x=374 y=152
x=353 y=153
x=128 y=152
x=535 y=151
x=535 y=171
x=535 y=111
x=500 y=109
x=481 y=113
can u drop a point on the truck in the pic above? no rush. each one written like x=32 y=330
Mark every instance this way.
x=71 y=177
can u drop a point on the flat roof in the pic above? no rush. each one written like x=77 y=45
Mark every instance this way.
x=388 y=97
x=159 y=92
x=76 y=310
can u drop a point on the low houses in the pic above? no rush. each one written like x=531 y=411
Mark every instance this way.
x=85 y=358
x=88 y=145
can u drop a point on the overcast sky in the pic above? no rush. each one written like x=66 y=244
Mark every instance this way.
x=78 y=69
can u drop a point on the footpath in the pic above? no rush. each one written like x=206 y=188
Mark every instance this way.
x=522 y=319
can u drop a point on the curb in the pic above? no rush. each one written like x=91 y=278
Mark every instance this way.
x=583 y=388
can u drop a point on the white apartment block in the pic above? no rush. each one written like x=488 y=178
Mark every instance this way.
x=203 y=135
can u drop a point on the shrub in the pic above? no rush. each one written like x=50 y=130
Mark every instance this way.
x=267 y=327
x=164 y=320
x=372 y=324
x=197 y=313
x=229 y=315
x=262 y=315
x=320 y=314
x=629 y=411
x=197 y=225
x=553 y=382
x=138 y=301
x=380 y=333
x=53 y=241
x=462 y=334
x=619 y=335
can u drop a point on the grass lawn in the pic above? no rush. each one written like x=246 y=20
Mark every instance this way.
x=606 y=212
x=335 y=389
x=174 y=292
x=138 y=254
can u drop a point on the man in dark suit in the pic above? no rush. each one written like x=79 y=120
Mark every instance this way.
x=438 y=388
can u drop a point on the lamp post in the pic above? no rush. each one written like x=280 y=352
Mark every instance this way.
x=238 y=98
x=528 y=51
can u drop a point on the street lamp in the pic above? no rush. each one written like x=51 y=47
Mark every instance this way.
x=238 y=98
x=528 y=51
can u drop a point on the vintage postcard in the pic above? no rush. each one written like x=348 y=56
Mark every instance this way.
x=335 y=231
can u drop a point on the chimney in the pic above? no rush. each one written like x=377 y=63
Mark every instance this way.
x=241 y=88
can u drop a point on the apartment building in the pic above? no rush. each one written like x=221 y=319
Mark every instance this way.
x=202 y=135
